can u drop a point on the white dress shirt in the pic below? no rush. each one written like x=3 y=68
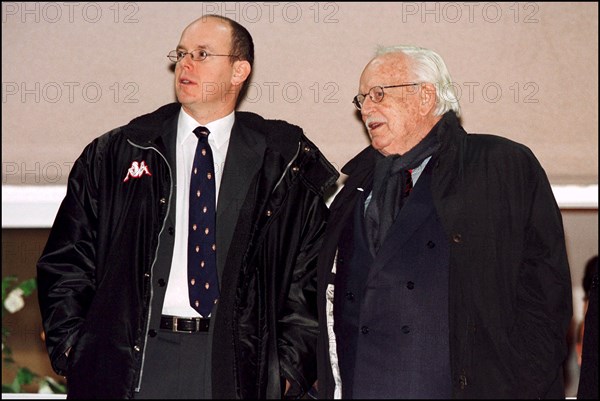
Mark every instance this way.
x=176 y=298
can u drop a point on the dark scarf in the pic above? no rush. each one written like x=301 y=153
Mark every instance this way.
x=388 y=195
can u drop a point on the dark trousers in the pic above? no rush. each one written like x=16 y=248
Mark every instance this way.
x=176 y=366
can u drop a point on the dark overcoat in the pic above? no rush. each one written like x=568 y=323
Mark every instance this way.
x=510 y=301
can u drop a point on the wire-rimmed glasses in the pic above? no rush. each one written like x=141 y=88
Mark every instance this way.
x=197 y=55
x=376 y=94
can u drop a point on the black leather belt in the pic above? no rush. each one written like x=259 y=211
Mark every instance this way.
x=184 y=324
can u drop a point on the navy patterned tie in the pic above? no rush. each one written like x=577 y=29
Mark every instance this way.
x=203 y=282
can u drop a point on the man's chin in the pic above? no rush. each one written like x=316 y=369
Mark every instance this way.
x=182 y=97
x=378 y=144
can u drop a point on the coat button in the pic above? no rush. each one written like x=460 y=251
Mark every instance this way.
x=268 y=213
x=430 y=244
x=163 y=200
x=457 y=238
x=152 y=333
x=137 y=348
x=405 y=329
x=364 y=330
x=295 y=169
x=162 y=282
x=171 y=230
x=350 y=296
x=410 y=285
x=462 y=380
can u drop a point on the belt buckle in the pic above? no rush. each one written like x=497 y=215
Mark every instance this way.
x=175 y=330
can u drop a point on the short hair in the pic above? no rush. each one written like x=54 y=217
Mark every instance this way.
x=428 y=66
x=241 y=40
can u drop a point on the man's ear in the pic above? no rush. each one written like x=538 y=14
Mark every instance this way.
x=241 y=71
x=428 y=98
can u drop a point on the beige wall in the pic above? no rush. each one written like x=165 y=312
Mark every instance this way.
x=71 y=71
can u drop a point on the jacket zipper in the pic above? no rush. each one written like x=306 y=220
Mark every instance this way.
x=141 y=372
x=289 y=165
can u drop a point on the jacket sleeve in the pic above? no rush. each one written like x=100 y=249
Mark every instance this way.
x=544 y=291
x=65 y=270
x=298 y=324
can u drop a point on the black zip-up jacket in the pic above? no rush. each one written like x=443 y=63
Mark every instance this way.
x=510 y=301
x=95 y=275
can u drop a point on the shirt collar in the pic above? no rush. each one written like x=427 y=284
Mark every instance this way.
x=220 y=130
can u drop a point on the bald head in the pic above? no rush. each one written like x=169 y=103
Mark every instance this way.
x=242 y=44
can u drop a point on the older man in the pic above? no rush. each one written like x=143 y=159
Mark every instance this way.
x=444 y=271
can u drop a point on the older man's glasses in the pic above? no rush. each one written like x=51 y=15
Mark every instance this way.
x=376 y=94
x=196 y=55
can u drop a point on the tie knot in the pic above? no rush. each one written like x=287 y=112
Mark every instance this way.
x=201 y=132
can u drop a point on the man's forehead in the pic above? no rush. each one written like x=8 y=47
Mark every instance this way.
x=390 y=66
x=395 y=61
x=207 y=21
x=208 y=30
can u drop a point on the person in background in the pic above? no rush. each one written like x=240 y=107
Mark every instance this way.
x=194 y=187
x=444 y=270
x=590 y=269
x=588 y=374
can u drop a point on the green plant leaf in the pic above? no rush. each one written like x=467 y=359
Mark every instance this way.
x=16 y=385
x=25 y=376
x=6 y=283
x=55 y=387
x=7 y=389
x=28 y=286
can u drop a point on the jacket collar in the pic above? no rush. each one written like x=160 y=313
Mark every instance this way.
x=148 y=127
x=447 y=130
x=279 y=135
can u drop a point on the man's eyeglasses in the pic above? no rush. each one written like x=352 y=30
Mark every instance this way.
x=376 y=94
x=197 y=55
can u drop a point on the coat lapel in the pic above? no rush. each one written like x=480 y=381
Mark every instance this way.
x=413 y=214
x=244 y=159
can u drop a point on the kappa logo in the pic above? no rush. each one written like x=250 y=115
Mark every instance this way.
x=137 y=170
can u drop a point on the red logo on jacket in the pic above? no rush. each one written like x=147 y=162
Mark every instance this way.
x=137 y=170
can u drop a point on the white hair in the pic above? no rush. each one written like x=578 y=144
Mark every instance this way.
x=428 y=66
